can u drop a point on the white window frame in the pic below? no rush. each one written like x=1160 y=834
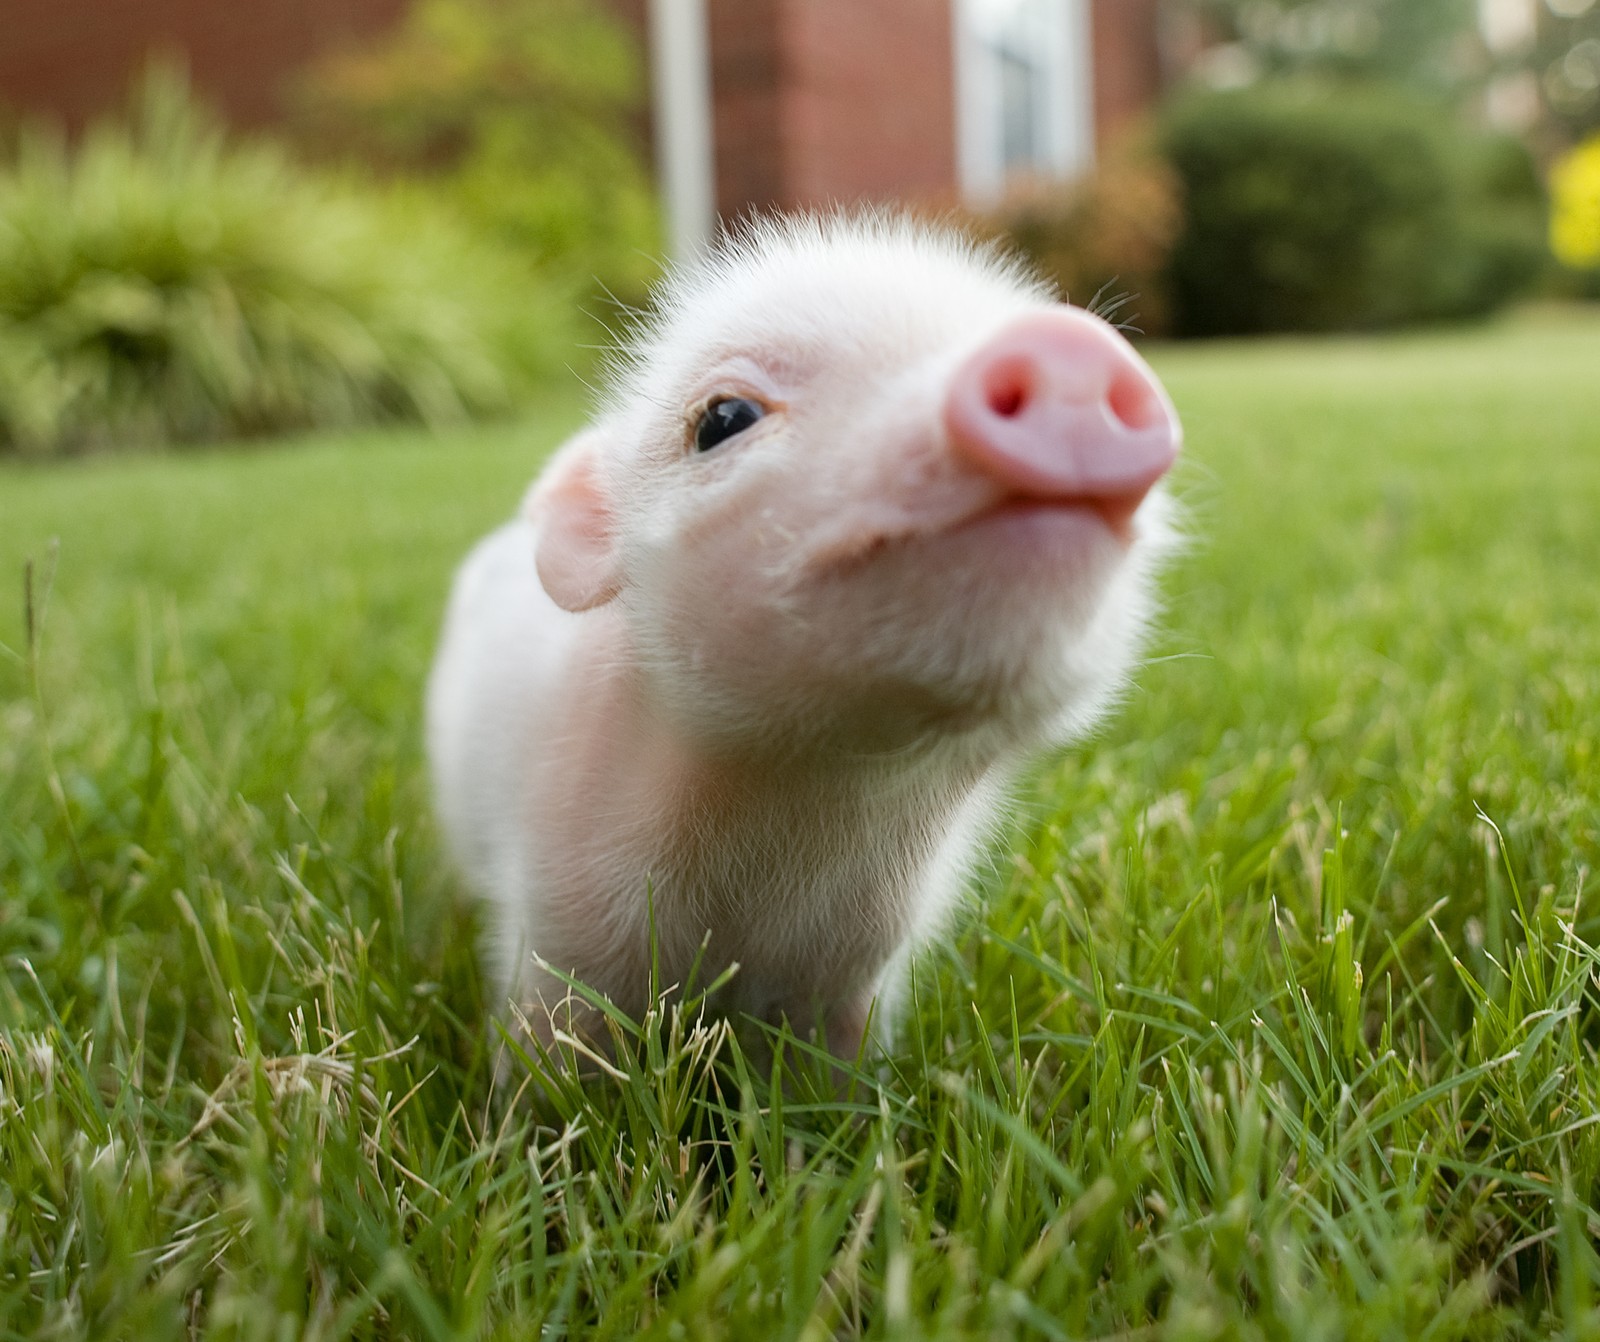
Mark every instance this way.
x=1058 y=34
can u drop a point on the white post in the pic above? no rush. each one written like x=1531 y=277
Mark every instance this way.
x=681 y=75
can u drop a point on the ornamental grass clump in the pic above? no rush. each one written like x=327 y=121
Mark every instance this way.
x=162 y=284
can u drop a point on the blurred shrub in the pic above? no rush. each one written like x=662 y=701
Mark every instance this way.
x=1575 y=215
x=1105 y=240
x=160 y=284
x=1325 y=208
x=529 y=112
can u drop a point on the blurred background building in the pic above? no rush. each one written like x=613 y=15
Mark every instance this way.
x=819 y=101
x=809 y=101
x=1199 y=167
x=76 y=59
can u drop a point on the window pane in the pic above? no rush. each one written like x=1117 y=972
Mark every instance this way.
x=1021 y=146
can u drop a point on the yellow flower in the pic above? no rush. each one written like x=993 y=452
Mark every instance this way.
x=1575 y=206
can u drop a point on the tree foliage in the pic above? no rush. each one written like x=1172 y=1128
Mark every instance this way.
x=1424 y=45
x=1564 y=60
x=528 y=110
x=1430 y=47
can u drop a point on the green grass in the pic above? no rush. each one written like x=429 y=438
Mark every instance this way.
x=1277 y=1016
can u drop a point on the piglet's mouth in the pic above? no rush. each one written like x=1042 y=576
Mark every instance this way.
x=1106 y=519
x=1115 y=512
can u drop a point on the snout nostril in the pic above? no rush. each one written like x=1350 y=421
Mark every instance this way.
x=1006 y=401
x=1007 y=390
x=1133 y=403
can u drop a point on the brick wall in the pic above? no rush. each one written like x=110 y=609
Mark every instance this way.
x=869 y=110
x=819 y=101
x=830 y=100
x=75 y=59
x=751 y=64
x=1127 y=63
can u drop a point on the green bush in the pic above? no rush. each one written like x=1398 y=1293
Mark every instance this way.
x=1314 y=208
x=159 y=284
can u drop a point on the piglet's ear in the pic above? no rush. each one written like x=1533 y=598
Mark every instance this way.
x=576 y=548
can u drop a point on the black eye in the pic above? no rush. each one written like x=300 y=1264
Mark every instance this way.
x=725 y=419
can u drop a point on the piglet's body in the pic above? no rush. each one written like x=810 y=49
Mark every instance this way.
x=865 y=522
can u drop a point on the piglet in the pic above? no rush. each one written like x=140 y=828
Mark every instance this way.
x=865 y=521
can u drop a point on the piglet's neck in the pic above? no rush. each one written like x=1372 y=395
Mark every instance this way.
x=676 y=807
x=811 y=873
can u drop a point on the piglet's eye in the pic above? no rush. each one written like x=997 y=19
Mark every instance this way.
x=724 y=419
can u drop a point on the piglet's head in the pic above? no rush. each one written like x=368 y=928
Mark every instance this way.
x=861 y=482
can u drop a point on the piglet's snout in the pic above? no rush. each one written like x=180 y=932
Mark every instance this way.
x=1058 y=405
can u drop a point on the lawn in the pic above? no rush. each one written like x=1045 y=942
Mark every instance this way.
x=1276 y=1015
